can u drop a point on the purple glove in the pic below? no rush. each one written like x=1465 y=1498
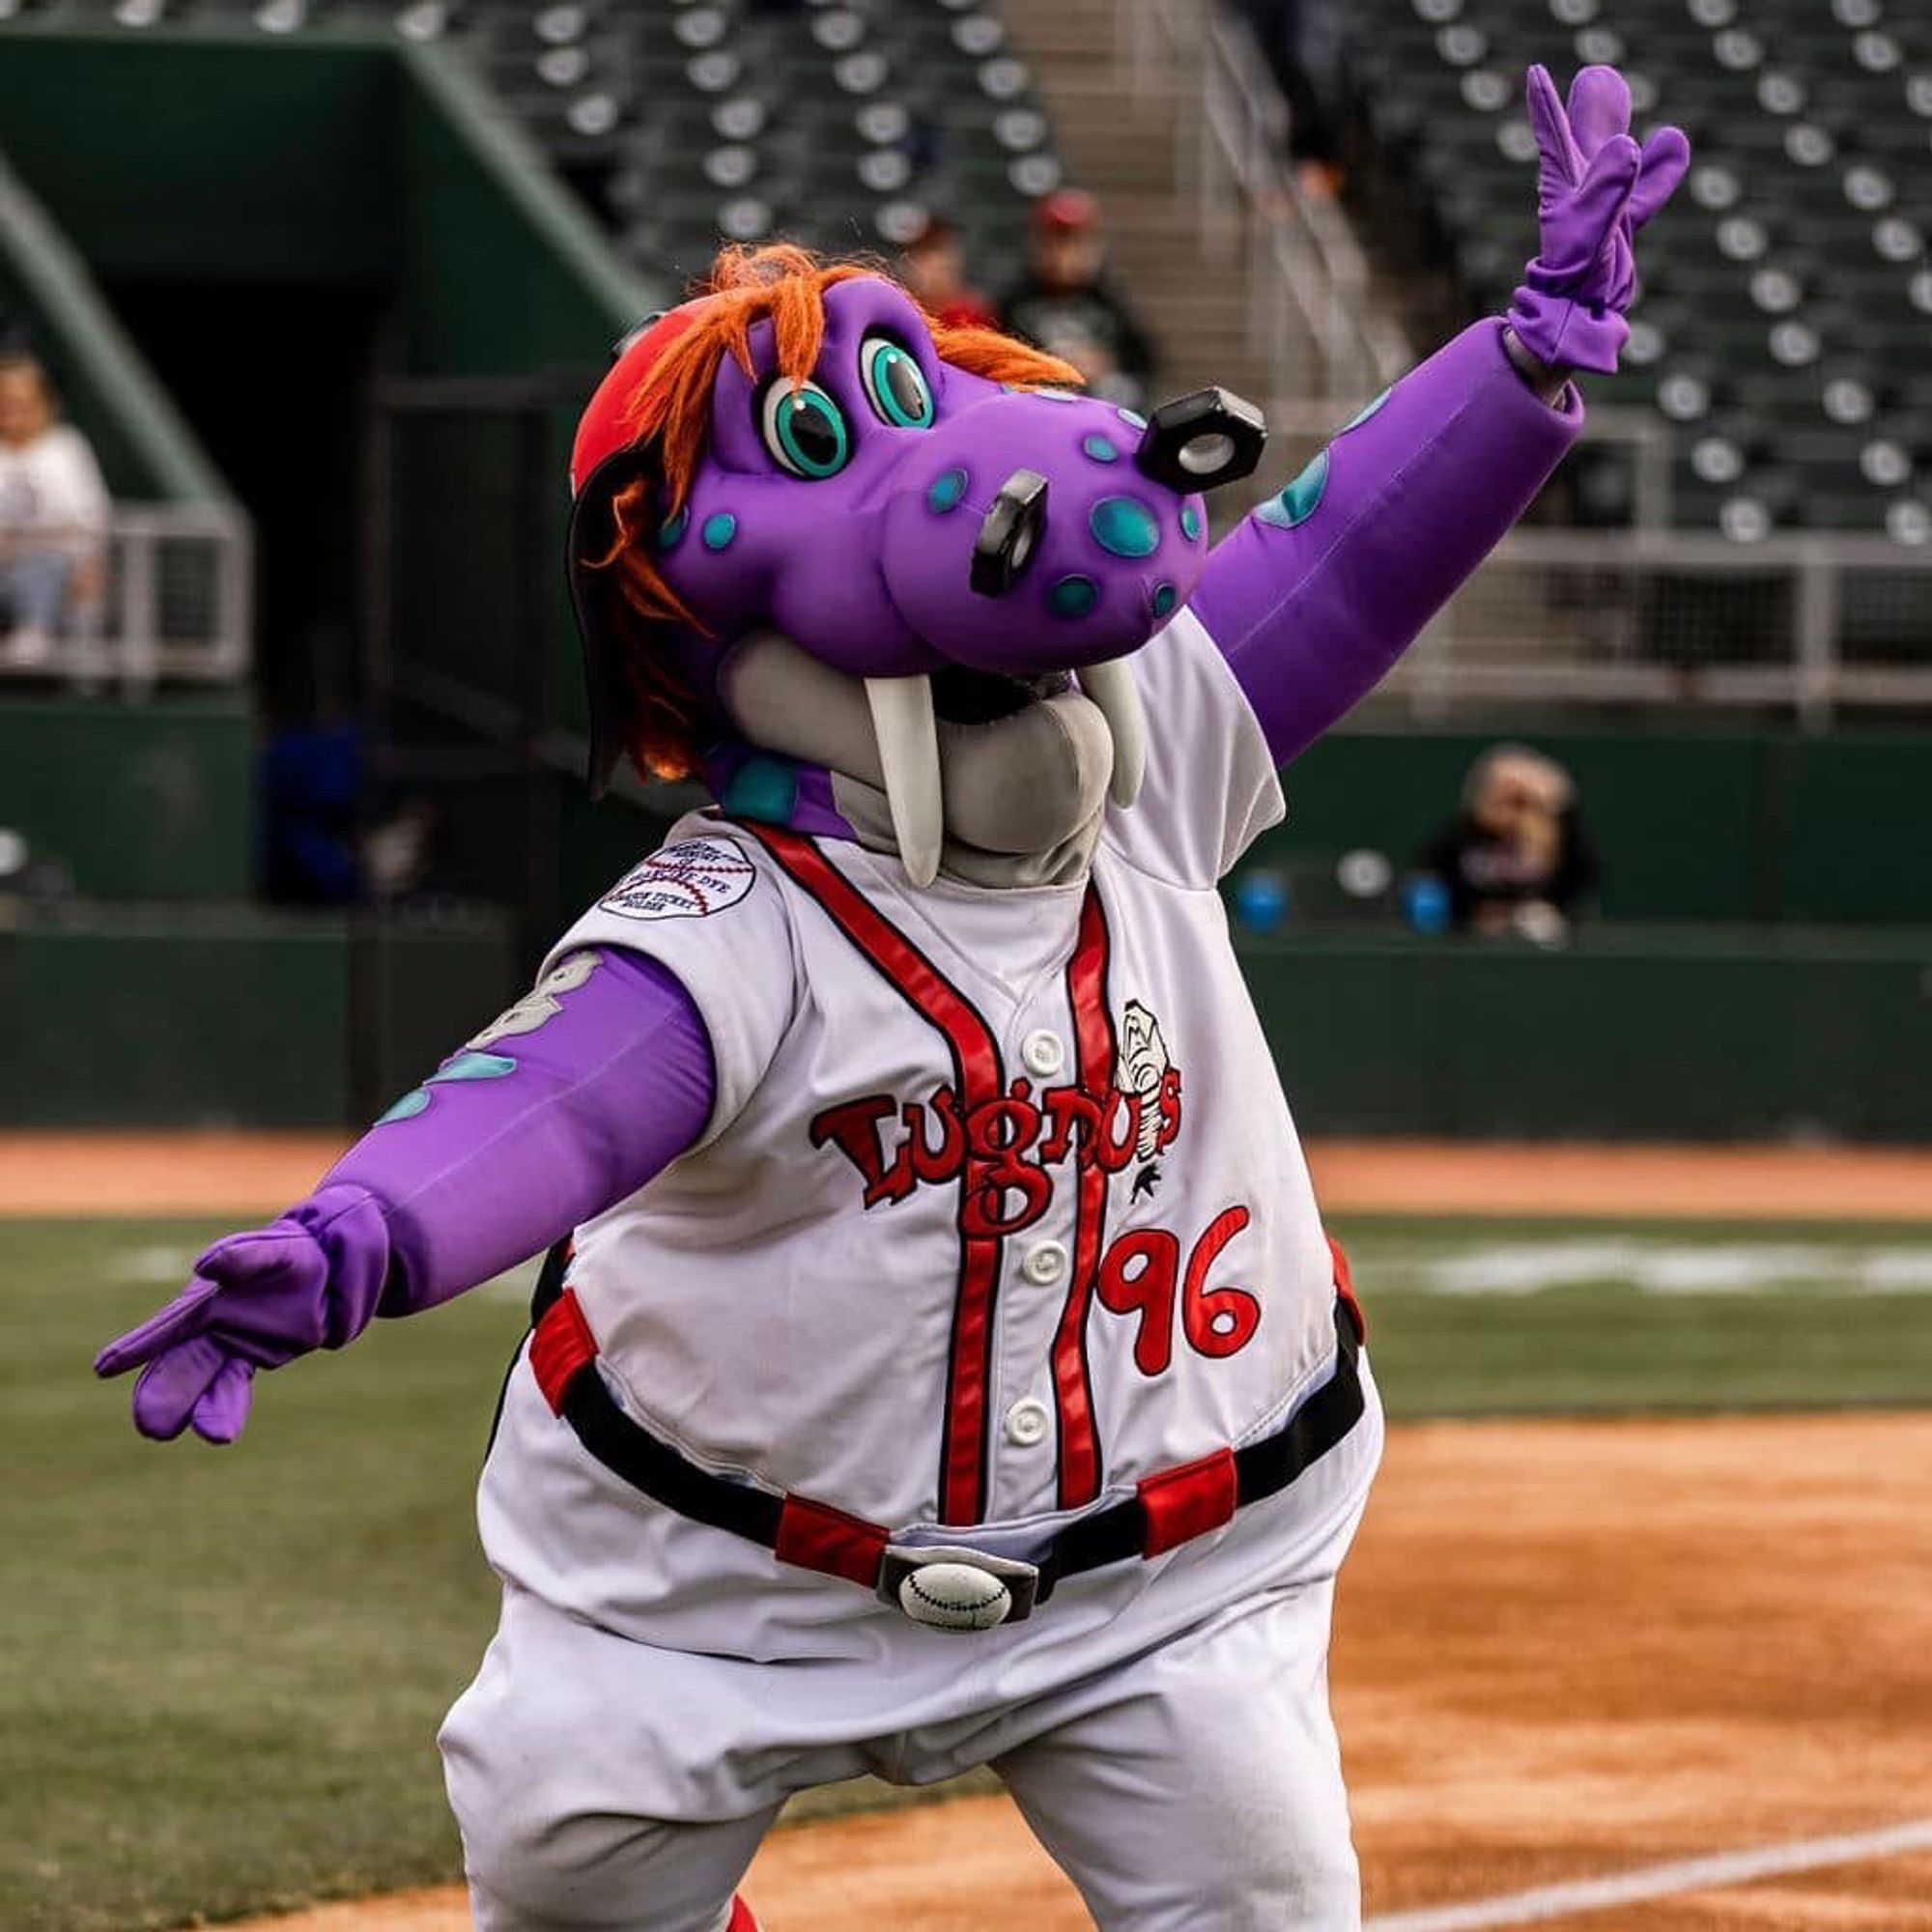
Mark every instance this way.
x=1596 y=187
x=310 y=1280
x=593 y=1084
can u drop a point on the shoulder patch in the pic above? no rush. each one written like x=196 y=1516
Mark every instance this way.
x=690 y=880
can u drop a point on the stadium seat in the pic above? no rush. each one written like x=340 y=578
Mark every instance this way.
x=1790 y=287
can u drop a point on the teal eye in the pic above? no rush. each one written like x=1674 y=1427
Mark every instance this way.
x=805 y=431
x=896 y=385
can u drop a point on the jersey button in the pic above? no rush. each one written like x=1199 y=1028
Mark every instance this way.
x=1026 y=1423
x=1043 y=1053
x=1045 y=1265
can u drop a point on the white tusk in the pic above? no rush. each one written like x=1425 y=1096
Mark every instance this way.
x=908 y=735
x=1112 y=690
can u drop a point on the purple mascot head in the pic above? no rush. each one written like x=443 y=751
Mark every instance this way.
x=801 y=450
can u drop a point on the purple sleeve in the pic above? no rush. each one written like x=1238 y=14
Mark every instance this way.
x=510 y=1144
x=1322 y=588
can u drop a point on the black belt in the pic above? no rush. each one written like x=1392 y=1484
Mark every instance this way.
x=1166 y=1510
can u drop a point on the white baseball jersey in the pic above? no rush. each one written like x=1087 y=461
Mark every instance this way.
x=1000 y=1209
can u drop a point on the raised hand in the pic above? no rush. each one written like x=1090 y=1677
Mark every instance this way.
x=310 y=1280
x=1595 y=191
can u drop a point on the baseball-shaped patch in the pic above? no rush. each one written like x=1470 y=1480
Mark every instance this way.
x=955 y=1597
x=690 y=880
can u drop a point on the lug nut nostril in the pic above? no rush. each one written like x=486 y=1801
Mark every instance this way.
x=1010 y=533
x=1202 y=441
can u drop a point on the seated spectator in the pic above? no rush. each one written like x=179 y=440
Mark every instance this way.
x=1516 y=858
x=53 y=518
x=933 y=266
x=1066 y=306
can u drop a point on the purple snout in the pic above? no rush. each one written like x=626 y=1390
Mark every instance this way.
x=1068 y=517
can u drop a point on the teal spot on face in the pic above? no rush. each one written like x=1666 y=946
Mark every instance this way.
x=1374 y=409
x=1132 y=418
x=1124 y=527
x=1100 y=449
x=719 y=530
x=672 y=528
x=474 y=1067
x=946 y=491
x=408 y=1107
x=1165 y=598
x=1191 y=522
x=1074 y=597
x=1300 y=500
x=763 y=789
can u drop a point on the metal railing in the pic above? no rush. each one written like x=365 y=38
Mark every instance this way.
x=1661 y=619
x=1310 y=316
x=176 y=606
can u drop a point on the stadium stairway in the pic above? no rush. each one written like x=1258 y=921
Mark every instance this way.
x=1134 y=151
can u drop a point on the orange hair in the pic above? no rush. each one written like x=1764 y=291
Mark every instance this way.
x=671 y=412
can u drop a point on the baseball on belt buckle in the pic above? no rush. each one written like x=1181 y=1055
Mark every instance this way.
x=951 y=1588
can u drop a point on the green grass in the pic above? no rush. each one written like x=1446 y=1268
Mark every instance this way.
x=1462 y=1320
x=221 y=1671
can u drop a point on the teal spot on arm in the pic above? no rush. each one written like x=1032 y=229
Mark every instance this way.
x=1100 y=449
x=408 y=1107
x=1300 y=500
x=719 y=530
x=474 y=1067
x=1374 y=409
x=1165 y=598
x=1191 y=522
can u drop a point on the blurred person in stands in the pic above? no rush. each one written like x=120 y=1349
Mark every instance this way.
x=932 y=265
x=1516 y=858
x=53 y=518
x=1304 y=42
x=1066 y=306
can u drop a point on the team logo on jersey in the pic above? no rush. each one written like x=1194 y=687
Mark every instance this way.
x=1008 y=1148
x=690 y=880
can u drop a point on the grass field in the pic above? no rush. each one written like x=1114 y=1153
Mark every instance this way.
x=221 y=1672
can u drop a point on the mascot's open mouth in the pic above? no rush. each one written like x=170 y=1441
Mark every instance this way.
x=984 y=709
x=961 y=696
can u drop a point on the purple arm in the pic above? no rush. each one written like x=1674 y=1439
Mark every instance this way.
x=1322 y=588
x=1317 y=595
x=576 y=1098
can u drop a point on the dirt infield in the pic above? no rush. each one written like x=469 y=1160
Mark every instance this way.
x=150 y=1174
x=1566 y=1651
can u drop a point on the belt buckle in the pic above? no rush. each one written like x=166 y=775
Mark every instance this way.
x=950 y=1587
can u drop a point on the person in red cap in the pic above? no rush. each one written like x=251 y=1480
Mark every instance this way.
x=1066 y=305
x=932 y=265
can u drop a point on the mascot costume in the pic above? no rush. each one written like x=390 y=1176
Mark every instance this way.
x=940 y=1361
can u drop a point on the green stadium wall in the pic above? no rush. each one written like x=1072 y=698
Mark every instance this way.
x=135 y=802
x=1768 y=823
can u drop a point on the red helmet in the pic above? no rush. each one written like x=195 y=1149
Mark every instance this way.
x=604 y=456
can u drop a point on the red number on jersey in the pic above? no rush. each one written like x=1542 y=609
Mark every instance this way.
x=1142 y=1275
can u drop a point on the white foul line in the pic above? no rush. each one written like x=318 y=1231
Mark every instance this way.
x=1560 y=1901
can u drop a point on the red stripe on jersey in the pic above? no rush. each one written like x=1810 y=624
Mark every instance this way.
x=976 y=1061
x=1095 y=1050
